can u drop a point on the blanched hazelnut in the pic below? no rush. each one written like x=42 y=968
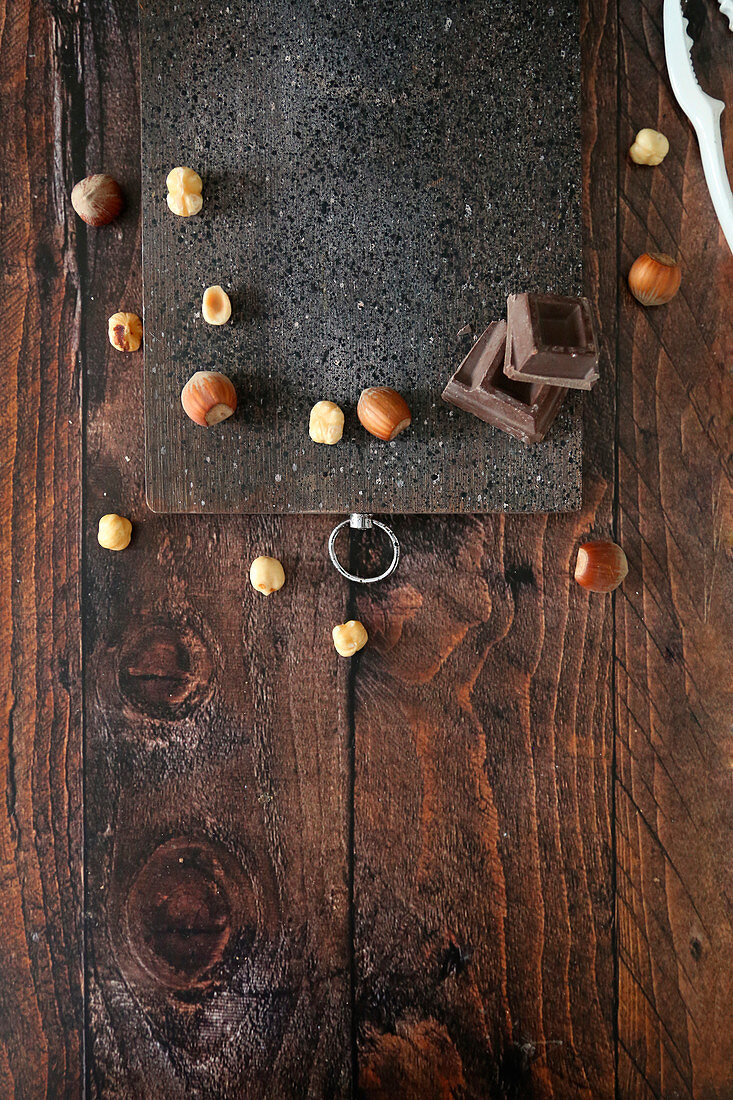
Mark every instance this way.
x=97 y=199
x=216 y=307
x=114 y=532
x=350 y=637
x=266 y=575
x=184 y=192
x=326 y=423
x=125 y=331
x=650 y=147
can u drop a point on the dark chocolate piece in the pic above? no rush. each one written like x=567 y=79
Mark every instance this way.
x=524 y=410
x=553 y=341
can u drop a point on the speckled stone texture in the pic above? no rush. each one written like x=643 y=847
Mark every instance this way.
x=376 y=176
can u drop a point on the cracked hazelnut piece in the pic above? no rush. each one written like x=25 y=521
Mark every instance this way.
x=266 y=575
x=208 y=398
x=184 y=192
x=97 y=199
x=383 y=412
x=326 y=423
x=350 y=637
x=125 y=331
x=114 y=532
x=216 y=307
x=601 y=566
x=650 y=147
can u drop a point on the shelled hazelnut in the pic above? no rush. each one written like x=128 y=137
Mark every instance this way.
x=326 y=423
x=216 y=307
x=349 y=638
x=125 y=331
x=600 y=566
x=208 y=398
x=114 y=532
x=266 y=575
x=97 y=199
x=383 y=412
x=184 y=192
x=654 y=278
x=650 y=147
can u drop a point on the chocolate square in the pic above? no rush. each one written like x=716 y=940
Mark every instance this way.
x=525 y=410
x=553 y=340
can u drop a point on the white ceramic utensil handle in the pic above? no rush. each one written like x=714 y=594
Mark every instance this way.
x=716 y=174
x=702 y=109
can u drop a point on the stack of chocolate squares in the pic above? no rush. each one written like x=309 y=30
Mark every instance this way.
x=517 y=374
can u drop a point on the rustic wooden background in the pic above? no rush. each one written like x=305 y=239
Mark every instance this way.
x=492 y=857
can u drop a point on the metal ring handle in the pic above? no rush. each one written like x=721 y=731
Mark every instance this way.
x=360 y=521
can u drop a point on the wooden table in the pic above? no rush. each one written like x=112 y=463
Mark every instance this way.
x=492 y=857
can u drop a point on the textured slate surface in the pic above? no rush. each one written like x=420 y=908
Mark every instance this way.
x=375 y=177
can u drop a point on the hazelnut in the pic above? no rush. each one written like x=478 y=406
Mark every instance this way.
x=600 y=566
x=654 y=278
x=114 y=532
x=326 y=423
x=125 y=331
x=216 y=307
x=349 y=638
x=650 y=147
x=266 y=575
x=97 y=199
x=208 y=398
x=383 y=412
x=184 y=192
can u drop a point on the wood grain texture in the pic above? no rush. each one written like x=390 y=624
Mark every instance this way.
x=483 y=785
x=674 y=674
x=216 y=779
x=40 y=448
x=253 y=805
x=483 y=873
x=216 y=815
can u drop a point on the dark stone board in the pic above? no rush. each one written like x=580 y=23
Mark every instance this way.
x=376 y=176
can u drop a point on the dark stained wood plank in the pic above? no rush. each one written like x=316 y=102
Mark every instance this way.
x=217 y=788
x=483 y=783
x=483 y=800
x=41 y=1009
x=674 y=821
x=216 y=767
x=494 y=948
x=359 y=163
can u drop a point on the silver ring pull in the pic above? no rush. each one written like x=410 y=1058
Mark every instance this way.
x=359 y=521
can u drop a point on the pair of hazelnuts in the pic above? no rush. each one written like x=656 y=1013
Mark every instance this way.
x=267 y=576
x=381 y=410
x=98 y=198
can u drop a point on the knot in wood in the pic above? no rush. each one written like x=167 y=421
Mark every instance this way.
x=181 y=910
x=163 y=669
